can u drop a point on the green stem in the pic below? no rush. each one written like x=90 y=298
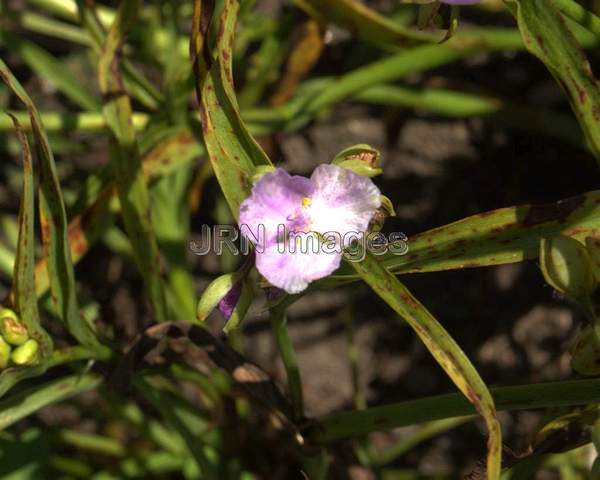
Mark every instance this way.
x=32 y=399
x=288 y=357
x=386 y=417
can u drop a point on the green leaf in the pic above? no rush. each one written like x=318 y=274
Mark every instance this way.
x=54 y=71
x=441 y=345
x=342 y=425
x=92 y=209
x=130 y=181
x=547 y=36
x=579 y=14
x=29 y=401
x=424 y=433
x=233 y=152
x=53 y=225
x=171 y=211
x=459 y=104
x=365 y=22
x=13 y=375
x=506 y=235
x=24 y=298
x=134 y=81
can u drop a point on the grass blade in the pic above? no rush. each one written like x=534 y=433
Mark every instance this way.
x=233 y=152
x=369 y=25
x=53 y=224
x=50 y=68
x=342 y=425
x=497 y=237
x=29 y=401
x=441 y=345
x=24 y=298
x=547 y=36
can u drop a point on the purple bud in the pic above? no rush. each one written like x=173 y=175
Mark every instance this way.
x=230 y=300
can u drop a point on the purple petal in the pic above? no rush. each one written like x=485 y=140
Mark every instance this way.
x=293 y=272
x=343 y=201
x=276 y=199
x=230 y=300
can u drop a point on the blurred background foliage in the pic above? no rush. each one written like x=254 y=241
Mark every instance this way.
x=134 y=125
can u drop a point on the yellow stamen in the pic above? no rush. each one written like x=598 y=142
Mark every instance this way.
x=306 y=202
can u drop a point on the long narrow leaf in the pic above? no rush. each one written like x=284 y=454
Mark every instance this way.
x=25 y=300
x=546 y=35
x=367 y=23
x=54 y=71
x=53 y=223
x=441 y=345
x=131 y=184
x=348 y=424
x=506 y=235
x=233 y=152
x=31 y=400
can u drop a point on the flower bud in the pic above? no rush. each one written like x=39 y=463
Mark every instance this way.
x=565 y=264
x=4 y=354
x=361 y=159
x=11 y=329
x=235 y=304
x=585 y=354
x=231 y=295
x=216 y=291
x=385 y=211
x=26 y=354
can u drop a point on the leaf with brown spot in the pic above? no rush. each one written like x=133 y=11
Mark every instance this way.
x=497 y=237
x=53 y=223
x=232 y=150
x=441 y=345
x=547 y=36
x=365 y=22
x=24 y=298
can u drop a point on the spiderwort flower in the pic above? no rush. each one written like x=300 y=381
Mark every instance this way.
x=300 y=226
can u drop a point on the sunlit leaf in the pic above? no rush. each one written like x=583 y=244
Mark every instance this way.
x=233 y=152
x=371 y=26
x=547 y=36
x=441 y=345
x=506 y=235
x=53 y=225
x=24 y=298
